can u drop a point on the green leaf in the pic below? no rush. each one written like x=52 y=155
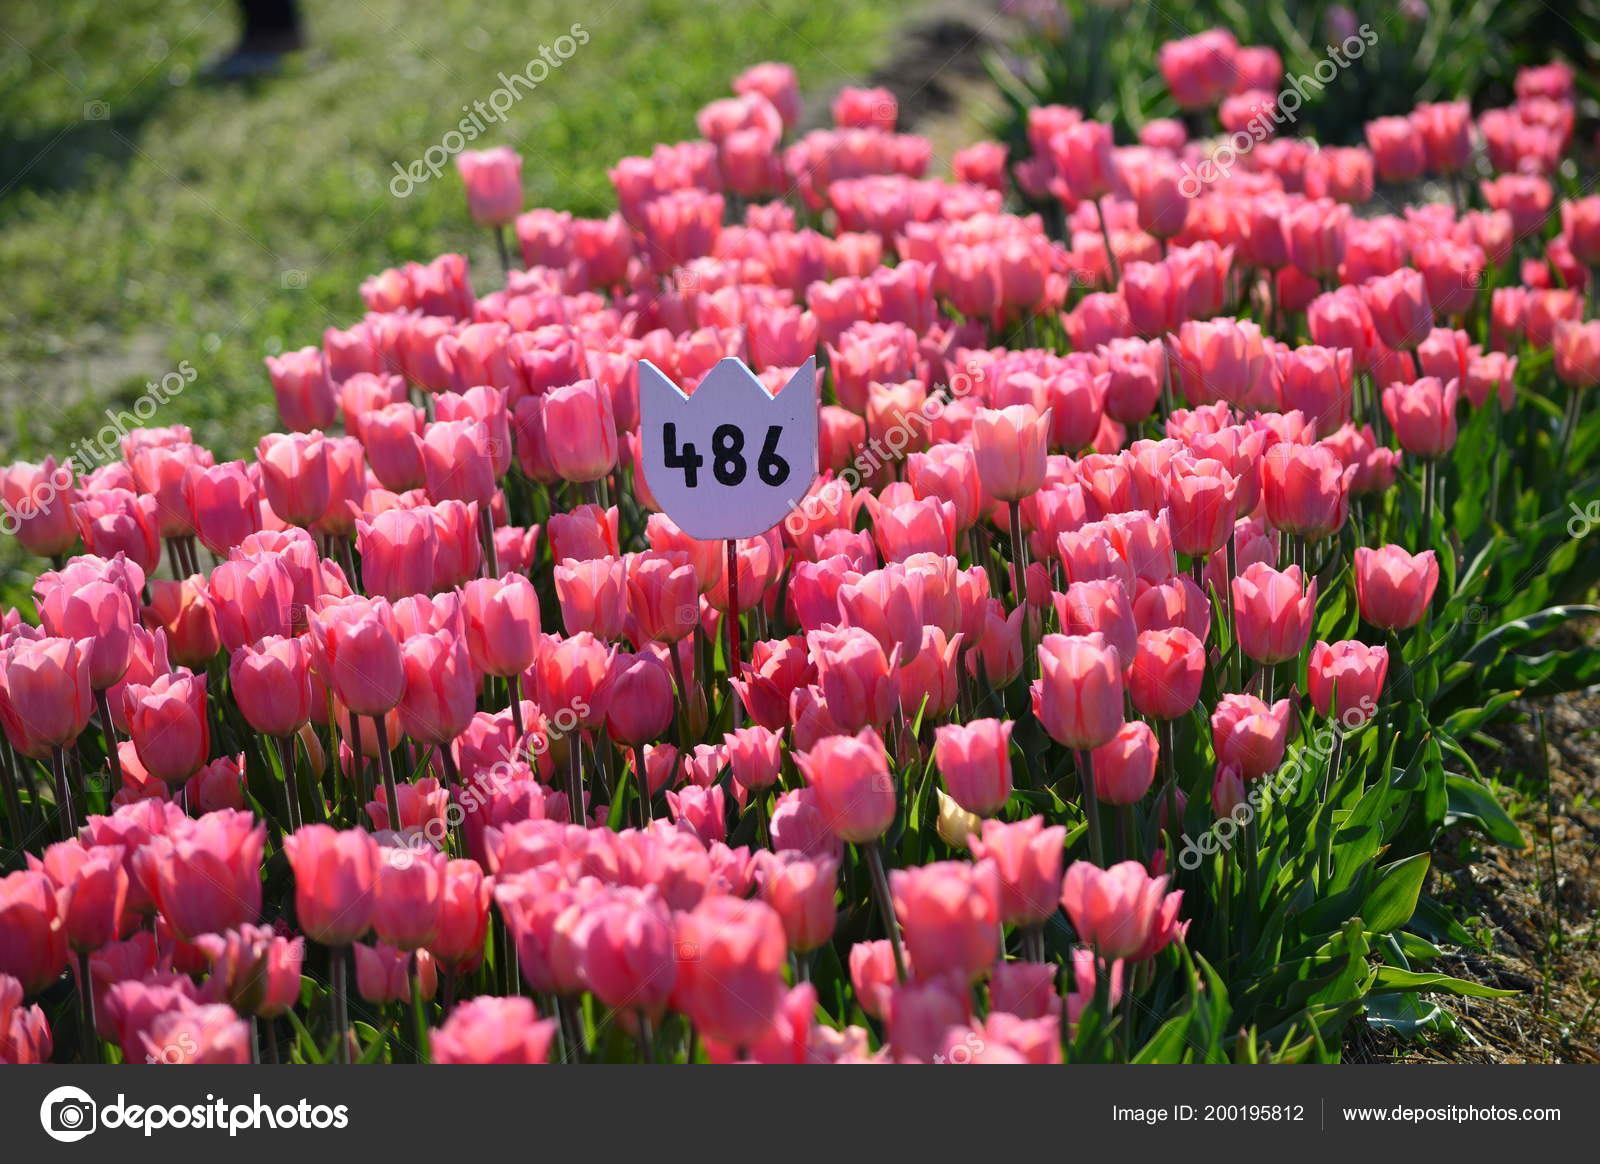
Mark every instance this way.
x=1471 y=801
x=1391 y=978
x=1394 y=899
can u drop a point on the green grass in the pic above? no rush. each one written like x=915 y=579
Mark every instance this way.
x=216 y=225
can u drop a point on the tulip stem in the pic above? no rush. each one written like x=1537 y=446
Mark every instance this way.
x=91 y=1038
x=880 y=890
x=1033 y=943
x=514 y=700
x=418 y=1011
x=1111 y=254
x=1019 y=567
x=647 y=1039
x=1170 y=762
x=348 y=561
x=16 y=827
x=1252 y=857
x=643 y=778
x=1226 y=903
x=575 y=782
x=1574 y=412
x=1227 y=598
x=1330 y=777
x=1091 y=807
x=733 y=623
x=683 y=697
x=1427 y=501
x=452 y=781
x=113 y=758
x=386 y=766
x=291 y=794
x=491 y=560
x=58 y=767
x=341 y=1006
x=505 y=251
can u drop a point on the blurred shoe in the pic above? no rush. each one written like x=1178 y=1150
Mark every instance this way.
x=256 y=56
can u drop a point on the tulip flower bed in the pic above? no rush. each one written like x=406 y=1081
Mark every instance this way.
x=1102 y=701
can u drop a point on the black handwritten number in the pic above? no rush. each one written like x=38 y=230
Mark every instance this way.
x=686 y=459
x=774 y=469
x=728 y=463
x=727 y=445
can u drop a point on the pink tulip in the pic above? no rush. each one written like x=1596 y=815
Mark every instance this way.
x=294 y=475
x=856 y=677
x=335 y=875
x=1121 y=911
x=1274 y=611
x=638 y=699
x=1423 y=415
x=494 y=1030
x=1010 y=445
x=1125 y=767
x=855 y=791
x=303 y=388
x=47 y=687
x=458 y=461
x=1393 y=587
x=33 y=936
x=950 y=914
x=271 y=683
x=441 y=687
x=225 y=503
x=493 y=179
x=593 y=596
x=113 y=521
x=204 y=876
x=502 y=620
x=100 y=612
x=360 y=656
x=197 y=1034
x=463 y=917
x=39 y=500
x=1577 y=353
x=1348 y=676
x=254 y=969
x=628 y=957
x=975 y=761
x=384 y=974
x=1168 y=668
x=731 y=955
x=1249 y=735
x=1078 y=695
x=1401 y=310
x=580 y=432
x=1027 y=857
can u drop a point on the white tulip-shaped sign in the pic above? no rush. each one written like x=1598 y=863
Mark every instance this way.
x=728 y=460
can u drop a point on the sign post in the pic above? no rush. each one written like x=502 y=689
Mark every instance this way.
x=728 y=460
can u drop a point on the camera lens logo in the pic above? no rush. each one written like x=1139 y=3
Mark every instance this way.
x=68 y=1114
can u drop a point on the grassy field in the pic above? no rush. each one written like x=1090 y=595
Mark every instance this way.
x=149 y=218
